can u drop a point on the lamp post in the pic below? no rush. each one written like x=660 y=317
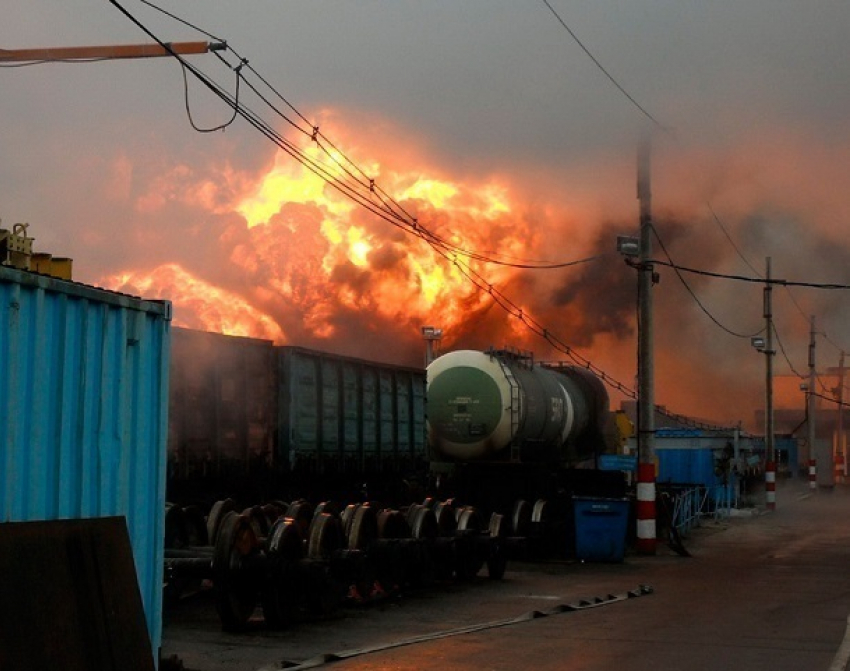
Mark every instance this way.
x=646 y=512
x=431 y=335
x=765 y=345
x=640 y=248
x=810 y=409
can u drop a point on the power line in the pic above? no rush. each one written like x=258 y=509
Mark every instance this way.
x=785 y=354
x=830 y=399
x=729 y=238
x=602 y=67
x=694 y=296
x=393 y=213
x=759 y=280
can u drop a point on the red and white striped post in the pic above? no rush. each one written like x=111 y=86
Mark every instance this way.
x=813 y=474
x=770 y=484
x=646 y=532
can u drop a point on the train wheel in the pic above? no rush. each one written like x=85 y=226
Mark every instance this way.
x=347 y=517
x=468 y=557
x=285 y=540
x=258 y=520
x=521 y=518
x=392 y=524
x=329 y=507
x=302 y=512
x=281 y=595
x=497 y=562
x=196 y=526
x=424 y=529
x=176 y=527
x=395 y=558
x=446 y=520
x=217 y=513
x=273 y=512
x=362 y=536
x=236 y=592
x=326 y=537
x=364 y=529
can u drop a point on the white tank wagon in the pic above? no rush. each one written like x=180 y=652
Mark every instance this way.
x=499 y=406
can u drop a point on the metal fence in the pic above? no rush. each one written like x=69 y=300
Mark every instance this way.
x=683 y=507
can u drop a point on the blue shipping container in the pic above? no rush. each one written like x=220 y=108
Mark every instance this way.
x=83 y=413
x=694 y=466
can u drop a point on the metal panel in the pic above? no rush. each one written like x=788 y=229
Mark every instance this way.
x=352 y=409
x=83 y=413
x=341 y=413
x=330 y=408
x=222 y=405
x=370 y=411
x=404 y=408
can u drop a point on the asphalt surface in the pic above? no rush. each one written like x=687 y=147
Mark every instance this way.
x=760 y=591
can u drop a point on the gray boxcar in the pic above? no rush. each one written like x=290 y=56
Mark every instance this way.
x=254 y=421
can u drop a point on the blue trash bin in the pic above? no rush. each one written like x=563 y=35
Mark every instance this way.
x=600 y=526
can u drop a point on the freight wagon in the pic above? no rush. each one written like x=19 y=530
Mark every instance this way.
x=256 y=421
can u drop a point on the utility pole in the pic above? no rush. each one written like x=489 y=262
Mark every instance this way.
x=109 y=52
x=770 y=452
x=840 y=449
x=646 y=513
x=810 y=410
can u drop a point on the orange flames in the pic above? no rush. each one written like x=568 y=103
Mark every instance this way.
x=310 y=260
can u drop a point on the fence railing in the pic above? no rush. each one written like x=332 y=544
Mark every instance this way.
x=684 y=506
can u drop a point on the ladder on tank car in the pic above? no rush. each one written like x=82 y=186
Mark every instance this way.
x=514 y=408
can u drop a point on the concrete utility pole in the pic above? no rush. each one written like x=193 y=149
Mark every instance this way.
x=770 y=452
x=810 y=410
x=646 y=513
x=840 y=448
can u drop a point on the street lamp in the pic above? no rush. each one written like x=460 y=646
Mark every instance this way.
x=431 y=335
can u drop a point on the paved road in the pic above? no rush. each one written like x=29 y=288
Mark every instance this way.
x=767 y=591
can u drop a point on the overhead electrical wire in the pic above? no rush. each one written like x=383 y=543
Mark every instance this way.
x=694 y=296
x=352 y=170
x=831 y=399
x=758 y=280
x=601 y=67
x=729 y=238
x=714 y=215
x=785 y=354
x=382 y=205
x=43 y=61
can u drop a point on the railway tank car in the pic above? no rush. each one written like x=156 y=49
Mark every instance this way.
x=500 y=405
x=502 y=427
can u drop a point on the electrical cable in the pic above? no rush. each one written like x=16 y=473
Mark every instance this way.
x=694 y=296
x=449 y=252
x=830 y=399
x=743 y=278
x=785 y=354
x=189 y=111
x=729 y=238
x=602 y=68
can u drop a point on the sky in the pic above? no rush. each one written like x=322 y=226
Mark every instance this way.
x=488 y=122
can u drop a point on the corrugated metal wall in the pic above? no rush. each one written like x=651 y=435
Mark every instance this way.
x=83 y=413
x=348 y=413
